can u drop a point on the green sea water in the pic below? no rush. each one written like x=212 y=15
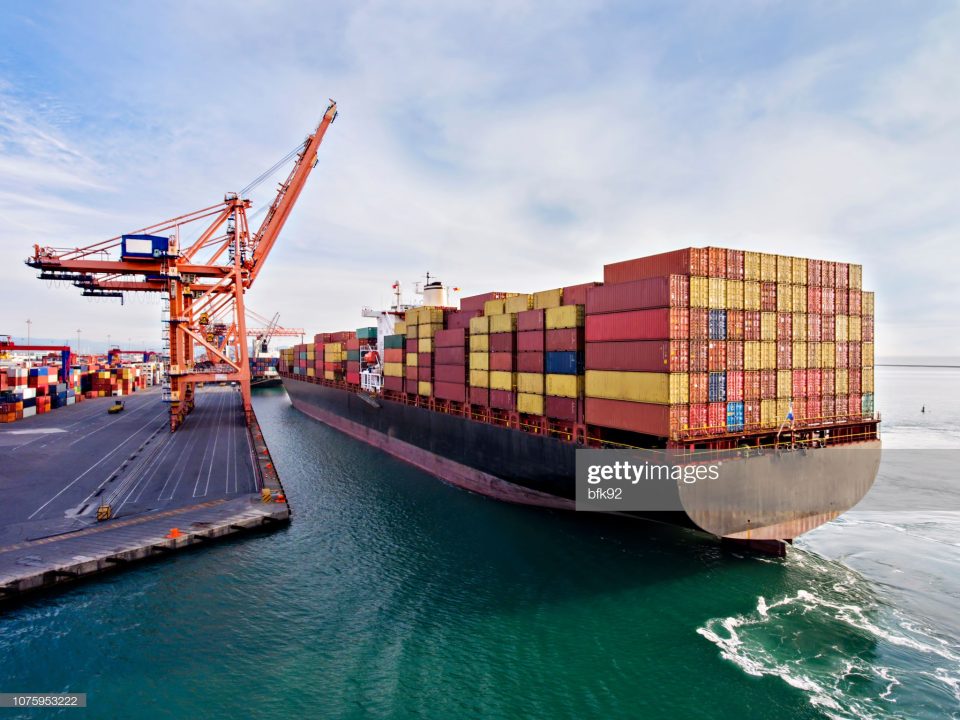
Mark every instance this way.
x=394 y=595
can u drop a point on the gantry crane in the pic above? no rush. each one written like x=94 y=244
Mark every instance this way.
x=269 y=329
x=202 y=280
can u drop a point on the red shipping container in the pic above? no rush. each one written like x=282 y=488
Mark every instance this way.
x=501 y=361
x=827 y=304
x=565 y=340
x=393 y=383
x=751 y=385
x=855 y=409
x=828 y=328
x=842 y=275
x=829 y=274
x=577 y=294
x=530 y=362
x=412 y=345
x=855 y=356
x=751 y=324
x=479 y=396
x=561 y=408
x=814 y=377
x=450 y=356
x=814 y=272
x=699 y=355
x=645 y=418
x=800 y=411
x=784 y=326
x=828 y=410
x=393 y=355
x=841 y=300
x=425 y=374
x=867 y=331
x=659 y=324
x=716 y=418
x=799 y=384
x=751 y=415
x=814 y=409
x=353 y=344
x=784 y=354
x=450 y=391
x=699 y=323
x=735 y=264
x=332 y=366
x=653 y=292
x=638 y=356
x=456 y=337
x=814 y=327
x=689 y=261
x=425 y=359
x=353 y=378
x=854 y=302
x=814 y=299
x=475 y=302
x=717 y=356
x=734 y=325
x=853 y=380
x=450 y=374
x=411 y=374
x=768 y=296
x=503 y=400
x=502 y=342
x=827 y=382
x=734 y=355
x=843 y=354
x=530 y=341
x=735 y=386
x=411 y=387
x=716 y=262
x=353 y=366
x=530 y=320
x=768 y=384
x=840 y=407
x=699 y=387
x=461 y=320
x=698 y=419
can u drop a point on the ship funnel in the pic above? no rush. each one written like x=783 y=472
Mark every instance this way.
x=434 y=294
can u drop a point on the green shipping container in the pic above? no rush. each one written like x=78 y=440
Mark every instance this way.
x=394 y=342
x=353 y=355
x=367 y=333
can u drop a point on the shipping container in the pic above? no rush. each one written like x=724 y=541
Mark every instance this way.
x=566 y=363
x=531 y=320
x=548 y=299
x=562 y=408
x=663 y=388
x=660 y=324
x=689 y=261
x=530 y=341
x=566 y=316
x=570 y=386
x=531 y=362
x=656 y=292
x=699 y=359
x=639 y=355
x=669 y=421
x=530 y=404
x=699 y=323
x=565 y=340
x=716 y=262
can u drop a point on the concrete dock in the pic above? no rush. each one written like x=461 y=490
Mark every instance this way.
x=57 y=469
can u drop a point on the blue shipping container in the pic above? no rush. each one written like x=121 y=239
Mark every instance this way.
x=718 y=325
x=564 y=363
x=717 y=387
x=866 y=404
x=735 y=417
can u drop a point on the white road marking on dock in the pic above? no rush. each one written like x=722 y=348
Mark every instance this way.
x=213 y=453
x=34 y=431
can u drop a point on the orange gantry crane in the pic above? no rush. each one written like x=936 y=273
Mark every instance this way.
x=203 y=281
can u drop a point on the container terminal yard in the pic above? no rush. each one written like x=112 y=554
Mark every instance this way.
x=105 y=462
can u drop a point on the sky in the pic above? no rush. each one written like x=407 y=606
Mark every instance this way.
x=511 y=146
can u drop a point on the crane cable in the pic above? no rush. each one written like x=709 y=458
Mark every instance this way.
x=276 y=166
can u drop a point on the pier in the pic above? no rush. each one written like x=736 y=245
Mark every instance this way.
x=162 y=491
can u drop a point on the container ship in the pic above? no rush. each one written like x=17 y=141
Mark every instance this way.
x=766 y=356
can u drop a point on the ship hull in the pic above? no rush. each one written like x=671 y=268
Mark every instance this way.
x=515 y=466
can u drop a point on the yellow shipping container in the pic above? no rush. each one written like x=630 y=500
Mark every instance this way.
x=854 y=328
x=479 y=343
x=800 y=355
x=784 y=269
x=494 y=307
x=768 y=355
x=799 y=297
x=866 y=380
x=479 y=361
x=332 y=347
x=480 y=325
x=783 y=407
x=866 y=303
x=430 y=316
x=546 y=299
x=814 y=355
x=565 y=385
x=717 y=290
x=329 y=375
x=425 y=345
x=393 y=369
x=428 y=330
x=530 y=383
x=659 y=388
x=784 y=297
x=866 y=355
x=424 y=388
x=412 y=332
x=799 y=276
x=768 y=326
x=566 y=316
x=503 y=380
x=530 y=403
x=768 y=414
x=400 y=327
x=841 y=381
x=751 y=295
x=751 y=355
x=856 y=277
x=311 y=372
x=699 y=292
x=411 y=360
x=412 y=316
x=840 y=323
x=799 y=325
x=768 y=267
x=503 y=323
x=751 y=266
x=829 y=354
x=784 y=383
x=519 y=303
x=479 y=378
x=735 y=294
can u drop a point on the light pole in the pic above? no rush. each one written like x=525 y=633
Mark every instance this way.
x=29 y=323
